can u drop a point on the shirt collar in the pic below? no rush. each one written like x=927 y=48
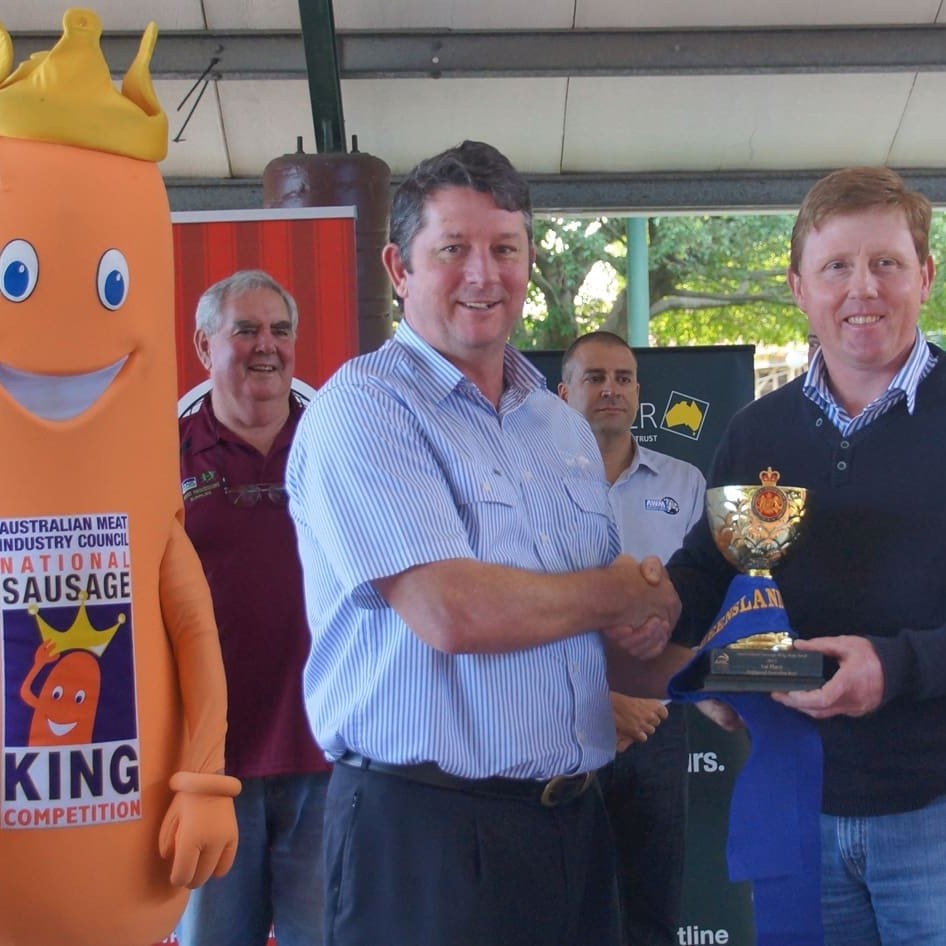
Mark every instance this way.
x=644 y=459
x=520 y=376
x=200 y=427
x=903 y=384
x=203 y=430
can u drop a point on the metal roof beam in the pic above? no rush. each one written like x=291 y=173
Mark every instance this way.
x=643 y=52
x=610 y=194
x=414 y=53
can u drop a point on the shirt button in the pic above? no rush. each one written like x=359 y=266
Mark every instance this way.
x=526 y=475
x=842 y=465
x=845 y=444
x=819 y=422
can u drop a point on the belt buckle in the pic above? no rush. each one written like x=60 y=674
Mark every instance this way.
x=550 y=796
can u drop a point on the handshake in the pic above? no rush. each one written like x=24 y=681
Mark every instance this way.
x=649 y=609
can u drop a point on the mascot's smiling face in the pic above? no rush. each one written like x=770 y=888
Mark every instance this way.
x=85 y=259
x=78 y=275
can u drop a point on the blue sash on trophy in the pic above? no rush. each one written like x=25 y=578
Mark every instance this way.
x=774 y=830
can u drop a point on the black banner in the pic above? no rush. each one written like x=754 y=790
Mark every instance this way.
x=687 y=397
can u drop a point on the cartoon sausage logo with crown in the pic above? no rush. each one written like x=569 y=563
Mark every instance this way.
x=112 y=693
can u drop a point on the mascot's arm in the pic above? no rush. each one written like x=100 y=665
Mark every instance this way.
x=199 y=832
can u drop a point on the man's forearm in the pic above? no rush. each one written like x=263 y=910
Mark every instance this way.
x=644 y=678
x=467 y=606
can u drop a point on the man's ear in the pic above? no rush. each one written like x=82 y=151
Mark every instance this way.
x=795 y=285
x=563 y=391
x=929 y=271
x=202 y=347
x=397 y=271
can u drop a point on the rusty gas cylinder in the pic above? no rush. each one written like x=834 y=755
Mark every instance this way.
x=345 y=179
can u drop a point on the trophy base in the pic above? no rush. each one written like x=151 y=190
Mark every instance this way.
x=728 y=669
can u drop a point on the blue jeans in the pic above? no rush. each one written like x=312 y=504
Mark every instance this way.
x=276 y=878
x=883 y=878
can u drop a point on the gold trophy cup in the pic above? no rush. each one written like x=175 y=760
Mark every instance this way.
x=753 y=527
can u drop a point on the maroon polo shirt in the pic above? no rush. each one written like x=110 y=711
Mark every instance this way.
x=251 y=563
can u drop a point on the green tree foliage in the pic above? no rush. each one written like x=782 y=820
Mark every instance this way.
x=712 y=280
x=716 y=280
x=563 y=302
x=933 y=317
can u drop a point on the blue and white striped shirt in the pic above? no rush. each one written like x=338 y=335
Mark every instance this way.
x=400 y=461
x=903 y=385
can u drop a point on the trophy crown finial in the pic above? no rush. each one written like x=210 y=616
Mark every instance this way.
x=769 y=477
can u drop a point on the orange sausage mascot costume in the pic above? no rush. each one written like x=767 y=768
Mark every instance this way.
x=112 y=693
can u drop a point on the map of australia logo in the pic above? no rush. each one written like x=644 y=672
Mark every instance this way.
x=684 y=415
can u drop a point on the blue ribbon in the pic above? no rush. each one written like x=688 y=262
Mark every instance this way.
x=774 y=832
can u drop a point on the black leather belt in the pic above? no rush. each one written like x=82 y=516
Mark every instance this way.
x=554 y=791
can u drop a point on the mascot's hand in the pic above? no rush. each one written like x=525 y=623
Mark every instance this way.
x=199 y=832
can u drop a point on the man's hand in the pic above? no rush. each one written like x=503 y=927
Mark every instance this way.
x=652 y=607
x=644 y=642
x=720 y=713
x=635 y=719
x=855 y=690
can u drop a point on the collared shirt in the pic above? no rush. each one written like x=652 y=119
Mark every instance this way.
x=400 y=461
x=248 y=555
x=903 y=385
x=655 y=501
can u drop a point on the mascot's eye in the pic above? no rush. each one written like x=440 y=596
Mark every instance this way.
x=80 y=696
x=19 y=270
x=112 y=279
x=57 y=693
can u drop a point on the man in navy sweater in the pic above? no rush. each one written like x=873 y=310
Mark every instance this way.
x=865 y=432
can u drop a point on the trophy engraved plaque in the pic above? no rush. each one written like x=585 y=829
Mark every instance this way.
x=754 y=527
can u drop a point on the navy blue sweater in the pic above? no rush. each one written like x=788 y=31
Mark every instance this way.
x=871 y=561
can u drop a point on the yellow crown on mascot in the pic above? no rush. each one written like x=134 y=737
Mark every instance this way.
x=66 y=95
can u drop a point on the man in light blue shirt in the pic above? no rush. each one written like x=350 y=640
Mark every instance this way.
x=656 y=499
x=460 y=562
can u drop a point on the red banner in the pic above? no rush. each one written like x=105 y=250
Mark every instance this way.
x=310 y=251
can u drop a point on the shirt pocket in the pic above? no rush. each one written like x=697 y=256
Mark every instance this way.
x=586 y=533
x=589 y=495
x=494 y=514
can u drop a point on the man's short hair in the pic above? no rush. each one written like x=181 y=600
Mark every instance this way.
x=214 y=298
x=473 y=164
x=863 y=188
x=606 y=338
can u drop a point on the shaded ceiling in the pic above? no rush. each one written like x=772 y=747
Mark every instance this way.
x=607 y=105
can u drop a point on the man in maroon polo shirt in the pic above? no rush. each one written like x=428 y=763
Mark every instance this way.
x=233 y=457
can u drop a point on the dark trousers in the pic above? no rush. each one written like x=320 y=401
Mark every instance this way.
x=408 y=864
x=646 y=797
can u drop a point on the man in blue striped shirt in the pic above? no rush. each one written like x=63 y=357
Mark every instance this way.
x=460 y=559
